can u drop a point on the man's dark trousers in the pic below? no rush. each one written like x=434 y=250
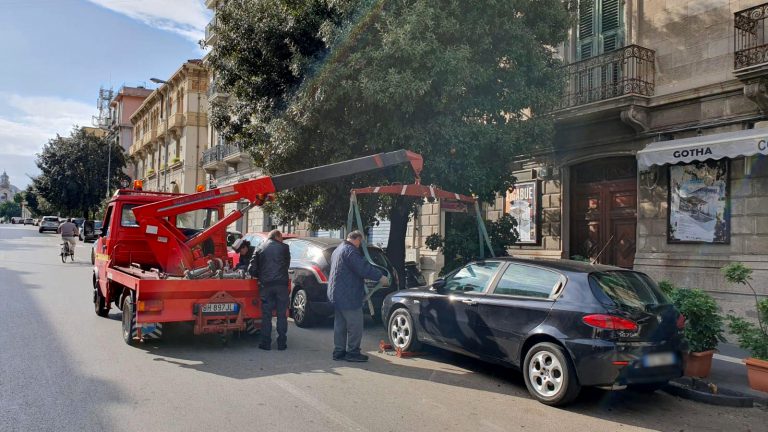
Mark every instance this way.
x=274 y=297
x=347 y=331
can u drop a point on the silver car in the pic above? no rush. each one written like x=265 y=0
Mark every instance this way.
x=49 y=223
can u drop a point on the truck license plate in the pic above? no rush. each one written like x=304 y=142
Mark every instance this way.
x=659 y=359
x=220 y=308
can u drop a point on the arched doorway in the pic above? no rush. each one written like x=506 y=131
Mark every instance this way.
x=604 y=210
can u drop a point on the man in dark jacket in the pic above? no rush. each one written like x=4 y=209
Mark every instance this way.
x=270 y=265
x=346 y=290
x=243 y=248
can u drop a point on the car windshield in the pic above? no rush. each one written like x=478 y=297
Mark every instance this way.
x=628 y=289
x=97 y=224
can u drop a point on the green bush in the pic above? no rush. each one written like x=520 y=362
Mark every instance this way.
x=703 y=324
x=752 y=337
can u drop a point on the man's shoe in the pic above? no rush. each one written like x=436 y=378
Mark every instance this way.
x=265 y=346
x=356 y=357
x=282 y=347
x=340 y=356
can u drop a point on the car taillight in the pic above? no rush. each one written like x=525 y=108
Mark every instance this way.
x=681 y=322
x=319 y=274
x=609 y=322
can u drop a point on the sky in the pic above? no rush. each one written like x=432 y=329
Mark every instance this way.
x=58 y=53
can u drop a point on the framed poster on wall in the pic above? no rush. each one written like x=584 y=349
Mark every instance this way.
x=522 y=203
x=699 y=203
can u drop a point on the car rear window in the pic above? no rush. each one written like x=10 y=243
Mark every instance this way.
x=50 y=219
x=627 y=289
x=377 y=255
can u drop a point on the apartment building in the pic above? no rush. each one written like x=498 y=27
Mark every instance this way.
x=170 y=131
x=659 y=159
x=227 y=162
x=120 y=130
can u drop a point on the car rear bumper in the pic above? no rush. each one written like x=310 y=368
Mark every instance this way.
x=605 y=363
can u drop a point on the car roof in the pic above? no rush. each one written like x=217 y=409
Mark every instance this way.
x=562 y=265
x=326 y=242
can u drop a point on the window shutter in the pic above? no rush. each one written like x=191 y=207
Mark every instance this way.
x=610 y=25
x=586 y=29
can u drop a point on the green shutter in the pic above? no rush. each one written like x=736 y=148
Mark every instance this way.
x=611 y=25
x=586 y=29
x=601 y=27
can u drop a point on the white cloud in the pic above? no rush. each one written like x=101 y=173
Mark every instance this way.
x=29 y=122
x=187 y=18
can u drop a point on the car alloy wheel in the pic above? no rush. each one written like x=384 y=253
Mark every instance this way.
x=300 y=308
x=545 y=373
x=400 y=330
x=549 y=374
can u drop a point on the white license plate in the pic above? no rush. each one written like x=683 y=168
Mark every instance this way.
x=220 y=307
x=659 y=359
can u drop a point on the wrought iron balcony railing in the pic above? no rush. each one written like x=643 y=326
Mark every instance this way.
x=629 y=70
x=219 y=152
x=750 y=46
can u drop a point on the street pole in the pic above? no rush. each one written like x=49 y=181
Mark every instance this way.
x=109 y=164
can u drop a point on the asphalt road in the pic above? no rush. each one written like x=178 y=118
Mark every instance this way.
x=62 y=368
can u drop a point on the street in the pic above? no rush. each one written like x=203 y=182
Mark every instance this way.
x=63 y=368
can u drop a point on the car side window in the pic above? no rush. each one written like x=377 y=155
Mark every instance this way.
x=127 y=218
x=297 y=249
x=527 y=281
x=472 y=277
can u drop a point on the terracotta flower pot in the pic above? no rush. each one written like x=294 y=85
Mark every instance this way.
x=757 y=373
x=698 y=364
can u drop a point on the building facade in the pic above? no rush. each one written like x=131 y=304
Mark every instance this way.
x=227 y=162
x=120 y=130
x=7 y=190
x=659 y=158
x=170 y=132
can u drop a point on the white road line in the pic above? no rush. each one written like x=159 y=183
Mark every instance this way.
x=728 y=359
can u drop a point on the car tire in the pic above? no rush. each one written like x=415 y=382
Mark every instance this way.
x=93 y=257
x=129 y=320
x=100 y=302
x=301 y=310
x=549 y=374
x=401 y=330
x=647 y=388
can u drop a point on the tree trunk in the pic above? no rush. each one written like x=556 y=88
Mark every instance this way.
x=398 y=219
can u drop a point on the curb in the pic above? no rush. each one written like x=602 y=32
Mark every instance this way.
x=699 y=391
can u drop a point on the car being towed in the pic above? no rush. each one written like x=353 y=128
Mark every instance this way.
x=565 y=324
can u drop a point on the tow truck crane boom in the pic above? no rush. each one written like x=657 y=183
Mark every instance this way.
x=176 y=253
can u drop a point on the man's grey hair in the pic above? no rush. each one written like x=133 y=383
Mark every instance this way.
x=354 y=235
x=274 y=234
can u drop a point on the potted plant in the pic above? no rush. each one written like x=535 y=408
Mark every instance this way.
x=175 y=160
x=752 y=337
x=703 y=327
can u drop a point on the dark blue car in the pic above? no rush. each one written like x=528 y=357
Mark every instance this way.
x=564 y=324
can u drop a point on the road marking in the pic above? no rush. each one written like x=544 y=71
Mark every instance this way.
x=728 y=359
x=344 y=421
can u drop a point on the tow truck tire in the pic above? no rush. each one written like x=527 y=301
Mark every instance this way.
x=300 y=309
x=129 y=320
x=99 y=302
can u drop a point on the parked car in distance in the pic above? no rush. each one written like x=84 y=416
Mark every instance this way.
x=16 y=220
x=28 y=221
x=256 y=239
x=49 y=223
x=90 y=230
x=310 y=266
x=564 y=324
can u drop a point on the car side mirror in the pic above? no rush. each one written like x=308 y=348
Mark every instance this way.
x=439 y=286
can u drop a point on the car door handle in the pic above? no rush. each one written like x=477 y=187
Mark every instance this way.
x=469 y=302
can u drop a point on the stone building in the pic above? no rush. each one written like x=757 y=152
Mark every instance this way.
x=7 y=190
x=170 y=132
x=120 y=130
x=659 y=159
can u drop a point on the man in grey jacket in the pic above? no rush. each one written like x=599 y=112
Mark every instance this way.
x=346 y=290
x=270 y=265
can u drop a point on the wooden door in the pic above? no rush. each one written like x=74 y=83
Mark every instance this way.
x=604 y=211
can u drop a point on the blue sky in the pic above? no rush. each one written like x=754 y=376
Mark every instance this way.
x=57 y=53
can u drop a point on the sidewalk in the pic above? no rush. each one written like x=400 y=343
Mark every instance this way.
x=729 y=372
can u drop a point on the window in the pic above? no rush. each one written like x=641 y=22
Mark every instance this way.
x=601 y=27
x=127 y=218
x=197 y=219
x=472 y=277
x=297 y=249
x=627 y=289
x=527 y=281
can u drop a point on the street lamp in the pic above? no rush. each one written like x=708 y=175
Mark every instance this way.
x=167 y=132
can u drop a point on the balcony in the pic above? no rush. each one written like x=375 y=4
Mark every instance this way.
x=626 y=72
x=214 y=93
x=210 y=32
x=161 y=129
x=750 y=57
x=218 y=156
x=176 y=121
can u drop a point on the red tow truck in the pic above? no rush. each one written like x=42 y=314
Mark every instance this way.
x=163 y=257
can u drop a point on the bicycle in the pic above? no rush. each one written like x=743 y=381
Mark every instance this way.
x=67 y=250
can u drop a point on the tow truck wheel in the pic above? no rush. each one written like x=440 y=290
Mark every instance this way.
x=100 y=303
x=300 y=309
x=129 y=320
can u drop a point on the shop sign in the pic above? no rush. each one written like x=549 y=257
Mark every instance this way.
x=699 y=207
x=522 y=203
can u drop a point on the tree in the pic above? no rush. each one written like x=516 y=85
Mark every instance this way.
x=74 y=171
x=9 y=209
x=466 y=86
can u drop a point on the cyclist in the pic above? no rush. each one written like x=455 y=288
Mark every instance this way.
x=69 y=233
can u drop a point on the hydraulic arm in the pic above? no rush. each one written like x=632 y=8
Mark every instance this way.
x=176 y=252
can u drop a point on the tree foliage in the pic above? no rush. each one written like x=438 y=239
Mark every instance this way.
x=74 y=172
x=9 y=209
x=318 y=81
